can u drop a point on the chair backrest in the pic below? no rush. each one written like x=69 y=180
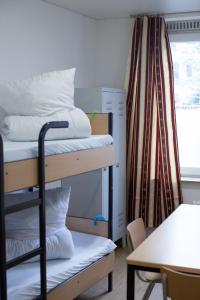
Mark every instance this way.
x=136 y=233
x=180 y=286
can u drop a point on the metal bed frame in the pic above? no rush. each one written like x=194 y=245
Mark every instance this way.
x=40 y=202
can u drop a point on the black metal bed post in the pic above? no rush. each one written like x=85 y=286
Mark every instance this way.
x=42 y=218
x=3 y=268
x=110 y=199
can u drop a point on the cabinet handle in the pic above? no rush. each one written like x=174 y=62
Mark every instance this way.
x=117 y=165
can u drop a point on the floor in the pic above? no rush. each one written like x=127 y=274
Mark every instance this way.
x=99 y=292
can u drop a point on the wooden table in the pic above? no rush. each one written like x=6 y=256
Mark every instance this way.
x=175 y=243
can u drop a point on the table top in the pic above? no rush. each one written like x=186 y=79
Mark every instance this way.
x=175 y=243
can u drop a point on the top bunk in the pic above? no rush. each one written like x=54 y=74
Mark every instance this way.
x=63 y=157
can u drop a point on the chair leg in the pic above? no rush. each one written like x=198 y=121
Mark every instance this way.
x=110 y=282
x=148 y=291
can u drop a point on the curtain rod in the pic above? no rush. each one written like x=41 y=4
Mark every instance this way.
x=164 y=14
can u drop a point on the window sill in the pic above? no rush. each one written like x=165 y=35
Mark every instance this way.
x=190 y=179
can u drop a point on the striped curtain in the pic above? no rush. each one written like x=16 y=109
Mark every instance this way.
x=153 y=169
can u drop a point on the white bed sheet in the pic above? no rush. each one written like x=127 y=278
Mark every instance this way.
x=14 y=151
x=23 y=280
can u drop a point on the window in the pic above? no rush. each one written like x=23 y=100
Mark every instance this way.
x=186 y=64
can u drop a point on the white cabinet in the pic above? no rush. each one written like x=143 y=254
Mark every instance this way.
x=90 y=191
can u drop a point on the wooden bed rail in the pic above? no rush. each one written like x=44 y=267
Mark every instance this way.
x=87 y=226
x=24 y=173
x=73 y=287
x=99 y=123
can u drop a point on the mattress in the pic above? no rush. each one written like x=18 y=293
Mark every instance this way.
x=14 y=151
x=23 y=280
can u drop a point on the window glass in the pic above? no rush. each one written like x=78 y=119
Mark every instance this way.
x=186 y=64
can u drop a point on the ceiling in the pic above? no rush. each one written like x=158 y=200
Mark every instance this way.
x=100 y=9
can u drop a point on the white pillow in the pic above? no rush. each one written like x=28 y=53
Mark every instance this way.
x=22 y=228
x=41 y=95
x=58 y=246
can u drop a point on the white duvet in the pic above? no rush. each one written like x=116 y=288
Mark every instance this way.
x=27 y=128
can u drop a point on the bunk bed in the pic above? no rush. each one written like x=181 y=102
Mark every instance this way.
x=46 y=166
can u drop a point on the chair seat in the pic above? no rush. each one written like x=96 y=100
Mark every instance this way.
x=152 y=276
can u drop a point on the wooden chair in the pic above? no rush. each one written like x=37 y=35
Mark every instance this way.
x=180 y=286
x=136 y=234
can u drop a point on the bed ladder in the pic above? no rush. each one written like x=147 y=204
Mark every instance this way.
x=40 y=202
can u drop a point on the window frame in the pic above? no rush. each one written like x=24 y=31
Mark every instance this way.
x=187 y=172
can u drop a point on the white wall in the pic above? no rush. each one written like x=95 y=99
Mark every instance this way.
x=36 y=37
x=113 y=43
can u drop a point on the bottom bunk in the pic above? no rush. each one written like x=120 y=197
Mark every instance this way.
x=66 y=278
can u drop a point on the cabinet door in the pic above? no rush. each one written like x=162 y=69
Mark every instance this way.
x=115 y=102
x=105 y=193
x=120 y=172
x=119 y=203
x=108 y=102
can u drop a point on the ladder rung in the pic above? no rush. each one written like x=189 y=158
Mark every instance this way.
x=18 y=260
x=21 y=206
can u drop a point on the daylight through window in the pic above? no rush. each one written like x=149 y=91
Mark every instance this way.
x=186 y=64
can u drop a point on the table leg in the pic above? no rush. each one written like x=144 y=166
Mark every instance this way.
x=130 y=282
